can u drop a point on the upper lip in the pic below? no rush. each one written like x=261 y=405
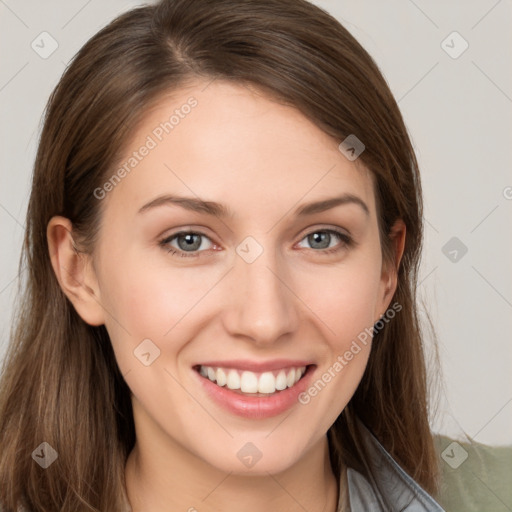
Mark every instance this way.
x=257 y=366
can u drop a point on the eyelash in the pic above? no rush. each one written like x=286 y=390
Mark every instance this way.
x=346 y=239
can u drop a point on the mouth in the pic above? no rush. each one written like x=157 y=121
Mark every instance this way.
x=245 y=382
x=252 y=391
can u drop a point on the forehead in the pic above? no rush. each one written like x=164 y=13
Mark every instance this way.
x=232 y=144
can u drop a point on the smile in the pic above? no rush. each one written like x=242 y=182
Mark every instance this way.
x=255 y=391
x=252 y=382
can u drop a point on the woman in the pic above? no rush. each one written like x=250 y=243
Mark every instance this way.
x=222 y=246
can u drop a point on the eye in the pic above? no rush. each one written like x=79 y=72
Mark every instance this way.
x=187 y=242
x=191 y=243
x=321 y=239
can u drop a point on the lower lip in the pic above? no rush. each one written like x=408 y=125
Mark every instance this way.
x=256 y=407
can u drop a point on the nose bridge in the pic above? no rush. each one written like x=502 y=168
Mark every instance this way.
x=262 y=307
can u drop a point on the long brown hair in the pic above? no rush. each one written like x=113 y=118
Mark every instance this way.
x=60 y=383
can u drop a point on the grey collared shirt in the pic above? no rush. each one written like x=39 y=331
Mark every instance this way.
x=394 y=486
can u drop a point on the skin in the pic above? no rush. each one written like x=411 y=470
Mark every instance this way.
x=262 y=160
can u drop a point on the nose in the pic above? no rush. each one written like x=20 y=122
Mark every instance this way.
x=262 y=306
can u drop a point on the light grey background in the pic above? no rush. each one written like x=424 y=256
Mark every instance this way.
x=458 y=112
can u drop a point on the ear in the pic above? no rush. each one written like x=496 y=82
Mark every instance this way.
x=389 y=278
x=74 y=271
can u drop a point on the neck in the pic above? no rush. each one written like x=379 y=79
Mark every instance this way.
x=175 y=479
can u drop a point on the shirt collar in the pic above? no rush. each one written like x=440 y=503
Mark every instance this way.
x=392 y=487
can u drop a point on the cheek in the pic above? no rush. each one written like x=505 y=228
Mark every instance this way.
x=343 y=297
x=149 y=301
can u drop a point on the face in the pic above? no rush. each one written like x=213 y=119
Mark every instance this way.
x=255 y=289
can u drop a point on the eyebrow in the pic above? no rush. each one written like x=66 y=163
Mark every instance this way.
x=220 y=210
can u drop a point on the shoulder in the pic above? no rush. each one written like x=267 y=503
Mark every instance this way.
x=474 y=473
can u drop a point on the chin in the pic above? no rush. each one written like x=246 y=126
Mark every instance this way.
x=256 y=458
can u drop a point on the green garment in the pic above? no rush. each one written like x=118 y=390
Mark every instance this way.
x=475 y=477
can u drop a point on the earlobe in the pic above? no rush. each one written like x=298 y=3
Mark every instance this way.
x=74 y=271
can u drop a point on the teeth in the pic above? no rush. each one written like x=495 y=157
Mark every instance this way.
x=221 y=377
x=290 y=378
x=250 y=382
x=281 y=381
x=233 y=381
x=266 y=383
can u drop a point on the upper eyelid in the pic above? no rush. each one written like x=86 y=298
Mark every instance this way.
x=314 y=229
x=185 y=231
